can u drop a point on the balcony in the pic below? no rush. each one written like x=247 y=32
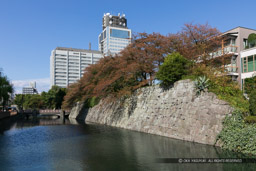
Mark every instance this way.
x=232 y=70
x=230 y=49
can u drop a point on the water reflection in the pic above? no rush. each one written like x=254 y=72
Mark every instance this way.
x=56 y=144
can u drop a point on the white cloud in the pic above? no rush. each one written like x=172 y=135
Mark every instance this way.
x=42 y=84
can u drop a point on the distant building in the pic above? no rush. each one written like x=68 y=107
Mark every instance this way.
x=67 y=64
x=115 y=35
x=30 y=89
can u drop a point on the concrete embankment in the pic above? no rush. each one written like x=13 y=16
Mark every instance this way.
x=176 y=113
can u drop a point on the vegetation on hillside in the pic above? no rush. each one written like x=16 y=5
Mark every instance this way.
x=237 y=135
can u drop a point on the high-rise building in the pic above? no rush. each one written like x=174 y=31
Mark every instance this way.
x=67 y=64
x=115 y=35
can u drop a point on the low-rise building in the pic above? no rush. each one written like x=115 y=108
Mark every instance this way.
x=30 y=89
x=248 y=63
x=236 y=41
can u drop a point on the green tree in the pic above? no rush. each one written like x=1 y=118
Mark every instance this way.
x=6 y=89
x=54 y=97
x=172 y=70
x=252 y=40
x=252 y=102
x=35 y=102
x=19 y=100
x=250 y=84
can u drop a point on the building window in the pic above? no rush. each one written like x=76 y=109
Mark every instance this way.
x=245 y=43
x=119 y=33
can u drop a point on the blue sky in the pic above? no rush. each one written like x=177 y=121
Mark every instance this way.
x=30 y=29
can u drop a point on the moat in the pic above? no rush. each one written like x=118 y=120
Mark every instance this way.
x=57 y=144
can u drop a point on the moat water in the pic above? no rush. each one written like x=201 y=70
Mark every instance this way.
x=56 y=144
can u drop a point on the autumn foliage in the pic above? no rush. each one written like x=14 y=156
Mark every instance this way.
x=137 y=64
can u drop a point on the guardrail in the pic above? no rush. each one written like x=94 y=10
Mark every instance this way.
x=50 y=111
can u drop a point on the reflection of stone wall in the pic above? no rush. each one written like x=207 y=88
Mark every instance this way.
x=176 y=113
x=78 y=111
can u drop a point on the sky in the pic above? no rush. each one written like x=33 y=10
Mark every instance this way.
x=31 y=29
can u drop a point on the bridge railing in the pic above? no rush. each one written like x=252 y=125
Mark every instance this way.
x=51 y=111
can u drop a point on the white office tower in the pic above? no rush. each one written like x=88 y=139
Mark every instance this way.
x=67 y=64
x=115 y=35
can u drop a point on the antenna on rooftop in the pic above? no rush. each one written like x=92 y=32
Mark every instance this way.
x=90 y=46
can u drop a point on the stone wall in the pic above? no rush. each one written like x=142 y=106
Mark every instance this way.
x=176 y=113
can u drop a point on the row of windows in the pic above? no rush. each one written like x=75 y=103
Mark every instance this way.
x=60 y=58
x=60 y=62
x=75 y=60
x=85 y=61
x=60 y=55
x=123 y=40
x=117 y=46
x=61 y=65
x=76 y=65
x=83 y=64
x=74 y=57
x=60 y=72
x=86 y=58
x=61 y=76
x=65 y=80
x=119 y=33
x=119 y=43
x=70 y=69
x=248 y=63
x=73 y=69
x=115 y=50
x=97 y=57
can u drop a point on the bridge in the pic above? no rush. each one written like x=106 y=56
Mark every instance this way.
x=46 y=113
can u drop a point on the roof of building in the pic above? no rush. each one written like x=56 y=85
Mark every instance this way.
x=239 y=27
x=78 y=50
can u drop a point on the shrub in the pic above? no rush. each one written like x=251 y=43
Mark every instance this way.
x=228 y=90
x=201 y=83
x=174 y=67
x=221 y=85
x=237 y=135
x=252 y=102
x=250 y=84
x=250 y=119
x=93 y=101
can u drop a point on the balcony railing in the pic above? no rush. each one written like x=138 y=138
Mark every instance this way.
x=226 y=50
x=230 y=49
x=231 y=69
